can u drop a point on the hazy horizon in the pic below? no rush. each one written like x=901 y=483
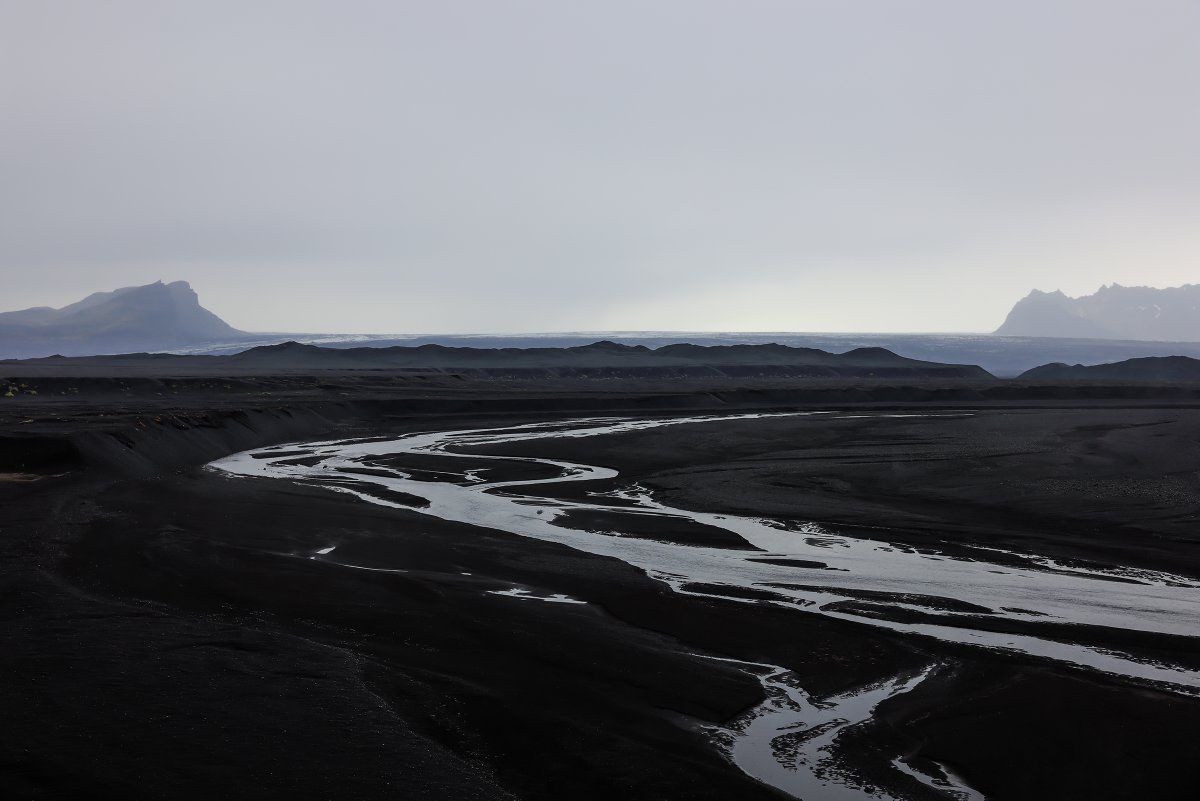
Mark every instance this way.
x=369 y=336
x=533 y=167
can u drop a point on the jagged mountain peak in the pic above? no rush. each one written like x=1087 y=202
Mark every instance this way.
x=1112 y=312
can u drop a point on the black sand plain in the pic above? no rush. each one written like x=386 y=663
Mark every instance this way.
x=166 y=635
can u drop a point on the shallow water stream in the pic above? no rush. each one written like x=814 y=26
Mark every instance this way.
x=790 y=740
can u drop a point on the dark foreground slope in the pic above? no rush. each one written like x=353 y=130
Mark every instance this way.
x=166 y=636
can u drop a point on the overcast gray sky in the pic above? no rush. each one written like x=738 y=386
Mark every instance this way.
x=511 y=165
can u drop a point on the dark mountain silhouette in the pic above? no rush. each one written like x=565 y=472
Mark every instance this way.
x=1001 y=356
x=1161 y=369
x=597 y=360
x=1113 y=312
x=153 y=317
x=606 y=358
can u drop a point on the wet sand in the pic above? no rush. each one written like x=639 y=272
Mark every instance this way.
x=171 y=632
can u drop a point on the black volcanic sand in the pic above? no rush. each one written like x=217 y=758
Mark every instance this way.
x=224 y=655
x=1096 y=486
x=171 y=632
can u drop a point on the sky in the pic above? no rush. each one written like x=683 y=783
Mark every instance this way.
x=505 y=166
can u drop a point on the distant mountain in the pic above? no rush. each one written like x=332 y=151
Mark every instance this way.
x=1113 y=312
x=598 y=360
x=609 y=359
x=1163 y=369
x=1000 y=356
x=141 y=318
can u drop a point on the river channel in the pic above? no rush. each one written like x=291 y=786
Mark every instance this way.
x=788 y=741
